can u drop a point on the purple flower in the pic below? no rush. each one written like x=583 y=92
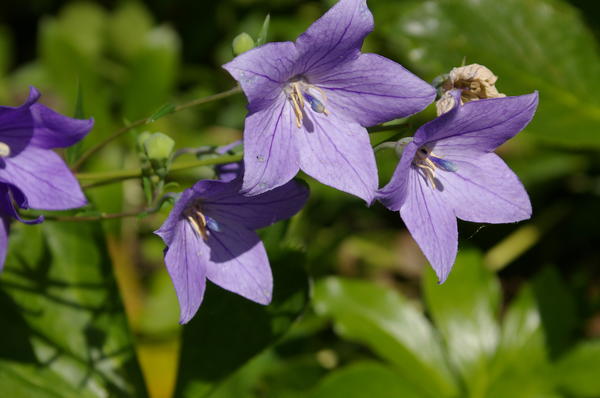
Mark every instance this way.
x=309 y=101
x=449 y=171
x=31 y=174
x=210 y=234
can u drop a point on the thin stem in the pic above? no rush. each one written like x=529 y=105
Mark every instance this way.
x=99 y=217
x=123 y=130
x=200 y=101
x=108 y=177
x=388 y=127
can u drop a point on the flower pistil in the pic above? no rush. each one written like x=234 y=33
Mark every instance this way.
x=426 y=161
x=298 y=92
x=200 y=222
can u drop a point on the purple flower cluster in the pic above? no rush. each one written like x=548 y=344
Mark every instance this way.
x=31 y=174
x=309 y=103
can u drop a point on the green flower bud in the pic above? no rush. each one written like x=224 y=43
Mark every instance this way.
x=242 y=43
x=158 y=146
x=141 y=138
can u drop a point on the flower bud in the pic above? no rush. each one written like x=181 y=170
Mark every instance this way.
x=158 y=146
x=242 y=43
x=401 y=144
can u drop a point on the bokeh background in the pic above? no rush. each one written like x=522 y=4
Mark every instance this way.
x=88 y=310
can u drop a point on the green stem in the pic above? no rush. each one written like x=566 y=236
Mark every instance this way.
x=142 y=122
x=99 y=217
x=107 y=177
x=388 y=127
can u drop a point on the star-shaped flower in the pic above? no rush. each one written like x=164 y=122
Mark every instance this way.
x=449 y=171
x=31 y=174
x=310 y=100
x=210 y=235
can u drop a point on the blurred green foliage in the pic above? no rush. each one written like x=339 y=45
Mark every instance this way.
x=377 y=327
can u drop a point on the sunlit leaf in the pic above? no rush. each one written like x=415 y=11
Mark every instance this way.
x=465 y=310
x=577 y=372
x=520 y=367
x=228 y=330
x=531 y=45
x=366 y=379
x=68 y=334
x=392 y=327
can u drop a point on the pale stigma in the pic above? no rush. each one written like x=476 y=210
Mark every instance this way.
x=4 y=150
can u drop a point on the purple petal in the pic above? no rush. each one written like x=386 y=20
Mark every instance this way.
x=168 y=229
x=262 y=210
x=338 y=153
x=373 y=89
x=36 y=124
x=431 y=222
x=186 y=258
x=4 y=228
x=262 y=71
x=270 y=154
x=239 y=263
x=53 y=130
x=9 y=196
x=43 y=177
x=480 y=125
x=485 y=190
x=393 y=194
x=334 y=38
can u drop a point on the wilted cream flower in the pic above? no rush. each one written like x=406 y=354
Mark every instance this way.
x=476 y=82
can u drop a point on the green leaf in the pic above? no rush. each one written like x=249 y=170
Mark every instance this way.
x=366 y=379
x=264 y=31
x=464 y=309
x=164 y=110
x=577 y=372
x=521 y=368
x=64 y=328
x=130 y=22
x=152 y=73
x=228 y=330
x=384 y=320
x=71 y=46
x=73 y=152
x=558 y=310
x=531 y=45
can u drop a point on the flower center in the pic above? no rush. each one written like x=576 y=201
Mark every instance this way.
x=4 y=150
x=426 y=161
x=200 y=222
x=300 y=92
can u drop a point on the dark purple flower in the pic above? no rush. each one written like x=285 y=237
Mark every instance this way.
x=449 y=171
x=229 y=171
x=210 y=234
x=309 y=102
x=31 y=174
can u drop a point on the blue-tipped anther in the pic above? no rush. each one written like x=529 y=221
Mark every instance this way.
x=315 y=104
x=212 y=224
x=443 y=164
